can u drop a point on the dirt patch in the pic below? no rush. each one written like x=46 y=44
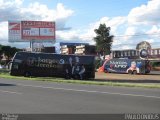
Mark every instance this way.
x=156 y=68
x=149 y=78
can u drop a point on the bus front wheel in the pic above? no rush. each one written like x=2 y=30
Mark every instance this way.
x=134 y=72
x=27 y=74
x=106 y=71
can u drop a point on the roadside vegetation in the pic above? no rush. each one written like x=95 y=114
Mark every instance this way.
x=6 y=54
x=155 y=65
x=5 y=74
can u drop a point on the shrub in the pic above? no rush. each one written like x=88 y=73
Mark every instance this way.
x=98 y=63
x=155 y=64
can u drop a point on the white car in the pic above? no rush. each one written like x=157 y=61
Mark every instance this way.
x=2 y=67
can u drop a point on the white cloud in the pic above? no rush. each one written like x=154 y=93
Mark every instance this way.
x=146 y=14
x=3 y=32
x=75 y=36
x=13 y=10
x=67 y=35
x=60 y=14
x=111 y=22
x=9 y=9
x=141 y=20
x=124 y=47
x=154 y=30
x=142 y=25
x=150 y=40
x=130 y=31
x=154 y=35
x=88 y=34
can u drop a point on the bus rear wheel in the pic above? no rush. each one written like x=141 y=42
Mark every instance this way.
x=130 y=72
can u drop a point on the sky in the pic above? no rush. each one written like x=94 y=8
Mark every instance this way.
x=131 y=21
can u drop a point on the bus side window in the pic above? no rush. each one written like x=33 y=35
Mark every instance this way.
x=15 y=66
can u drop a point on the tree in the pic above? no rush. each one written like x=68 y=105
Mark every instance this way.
x=6 y=50
x=13 y=51
x=9 y=51
x=1 y=52
x=103 y=39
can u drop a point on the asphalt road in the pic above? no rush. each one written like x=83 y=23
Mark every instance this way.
x=21 y=96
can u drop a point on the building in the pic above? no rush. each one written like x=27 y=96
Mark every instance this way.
x=151 y=53
x=49 y=49
x=41 y=49
x=130 y=53
x=70 y=48
x=78 y=48
x=86 y=50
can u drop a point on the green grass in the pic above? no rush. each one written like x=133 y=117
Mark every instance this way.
x=5 y=74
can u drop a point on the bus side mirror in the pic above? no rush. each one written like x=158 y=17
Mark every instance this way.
x=9 y=65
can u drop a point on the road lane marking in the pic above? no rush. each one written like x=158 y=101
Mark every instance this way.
x=88 y=91
x=11 y=92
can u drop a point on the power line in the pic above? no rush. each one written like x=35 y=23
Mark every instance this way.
x=136 y=35
x=133 y=44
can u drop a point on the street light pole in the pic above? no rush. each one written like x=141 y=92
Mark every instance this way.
x=31 y=45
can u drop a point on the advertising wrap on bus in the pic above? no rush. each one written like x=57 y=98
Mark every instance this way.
x=131 y=66
x=53 y=65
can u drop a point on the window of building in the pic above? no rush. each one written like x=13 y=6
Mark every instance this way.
x=149 y=51
x=129 y=53
x=117 y=54
x=137 y=53
x=133 y=53
x=152 y=52
x=125 y=53
x=159 y=51
x=155 y=52
x=121 y=54
x=114 y=54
